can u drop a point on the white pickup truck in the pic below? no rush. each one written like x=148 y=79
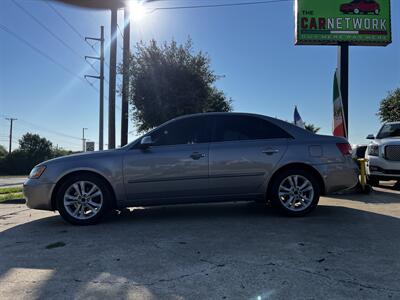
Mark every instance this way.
x=383 y=154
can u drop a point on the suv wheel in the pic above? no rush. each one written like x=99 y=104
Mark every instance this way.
x=295 y=192
x=372 y=181
x=84 y=199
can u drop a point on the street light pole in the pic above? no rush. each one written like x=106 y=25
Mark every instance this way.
x=83 y=140
x=112 y=79
x=125 y=80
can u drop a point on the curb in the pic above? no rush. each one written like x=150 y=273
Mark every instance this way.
x=14 y=201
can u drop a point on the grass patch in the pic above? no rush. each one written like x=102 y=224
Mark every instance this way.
x=11 y=196
x=55 y=245
x=9 y=190
x=11 y=193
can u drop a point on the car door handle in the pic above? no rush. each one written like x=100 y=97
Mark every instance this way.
x=270 y=151
x=197 y=155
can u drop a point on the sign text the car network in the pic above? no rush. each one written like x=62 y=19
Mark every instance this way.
x=357 y=22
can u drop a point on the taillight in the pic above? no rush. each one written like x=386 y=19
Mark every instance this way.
x=344 y=148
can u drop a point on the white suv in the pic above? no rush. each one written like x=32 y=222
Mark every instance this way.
x=383 y=154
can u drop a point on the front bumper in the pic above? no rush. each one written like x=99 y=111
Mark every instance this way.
x=379 y=167
x=38 y=194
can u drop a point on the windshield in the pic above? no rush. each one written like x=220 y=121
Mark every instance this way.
x=389 y=130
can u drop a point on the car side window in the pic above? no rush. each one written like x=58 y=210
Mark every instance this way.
x=184 y=131
x=239 y=128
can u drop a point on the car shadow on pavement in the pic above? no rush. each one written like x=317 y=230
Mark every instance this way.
x=207 y=251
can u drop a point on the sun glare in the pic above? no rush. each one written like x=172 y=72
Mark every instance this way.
x=137 y=10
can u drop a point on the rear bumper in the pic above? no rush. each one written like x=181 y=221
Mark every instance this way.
x=38 y=194
x=339 y=176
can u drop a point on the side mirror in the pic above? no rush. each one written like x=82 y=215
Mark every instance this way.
x=146 y=142
x=370 y=137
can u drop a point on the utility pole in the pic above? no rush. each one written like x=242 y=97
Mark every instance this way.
x=101 y=78
x=83 y=140
x=112 y=79
x=125 y=79
x=11 y=131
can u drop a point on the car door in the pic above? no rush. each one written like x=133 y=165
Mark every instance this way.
x=175 y=167
x=244 y=151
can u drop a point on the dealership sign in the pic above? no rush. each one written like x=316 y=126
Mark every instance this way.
x=332 y=22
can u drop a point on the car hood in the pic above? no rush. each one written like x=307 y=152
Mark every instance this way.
x=82 y=156
x=387 y=141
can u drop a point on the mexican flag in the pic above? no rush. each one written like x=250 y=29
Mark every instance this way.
x=339 y=125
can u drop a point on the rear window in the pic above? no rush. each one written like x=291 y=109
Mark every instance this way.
x=239 y=128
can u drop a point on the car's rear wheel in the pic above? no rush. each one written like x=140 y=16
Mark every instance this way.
x=84 y=199
x=376 y=11
x=295 y=192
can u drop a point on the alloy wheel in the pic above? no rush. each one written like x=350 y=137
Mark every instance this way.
x=296 y=192
x=83 y=200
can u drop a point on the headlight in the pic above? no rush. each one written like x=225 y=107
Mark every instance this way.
x=37 y=172
x=373 y=150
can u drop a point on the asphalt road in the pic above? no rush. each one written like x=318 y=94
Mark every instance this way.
x=348 y=249
x=11 y=181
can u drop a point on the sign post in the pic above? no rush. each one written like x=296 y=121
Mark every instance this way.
x=343 y=23
x=343 y=68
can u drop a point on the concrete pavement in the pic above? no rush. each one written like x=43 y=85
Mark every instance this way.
x=347 y=249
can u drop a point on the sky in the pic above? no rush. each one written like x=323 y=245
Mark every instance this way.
x=251 y=46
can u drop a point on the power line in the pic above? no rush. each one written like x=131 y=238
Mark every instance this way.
x=73 y=28
x=120 y=31
x=218 y=5
x=28 y=128
x=51 y=33
x=16 y=36
x=44 y=128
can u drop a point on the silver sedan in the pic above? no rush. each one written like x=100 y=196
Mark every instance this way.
x=206 y=157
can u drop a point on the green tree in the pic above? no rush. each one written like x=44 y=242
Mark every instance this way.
x=389 y=110
x=312 y=128
x=32 y=150
x=57 y=152
x=170 y=80
x=38 y=148
x=3 y=151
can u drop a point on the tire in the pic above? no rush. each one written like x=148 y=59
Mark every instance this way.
x=376 y=11
x=356 y=11
x=87 y=207
x=372 y=181
x=293 y=201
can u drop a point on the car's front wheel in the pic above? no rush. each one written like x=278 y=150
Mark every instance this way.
x=356 y=11
x=295 y=192
x=84 y=199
